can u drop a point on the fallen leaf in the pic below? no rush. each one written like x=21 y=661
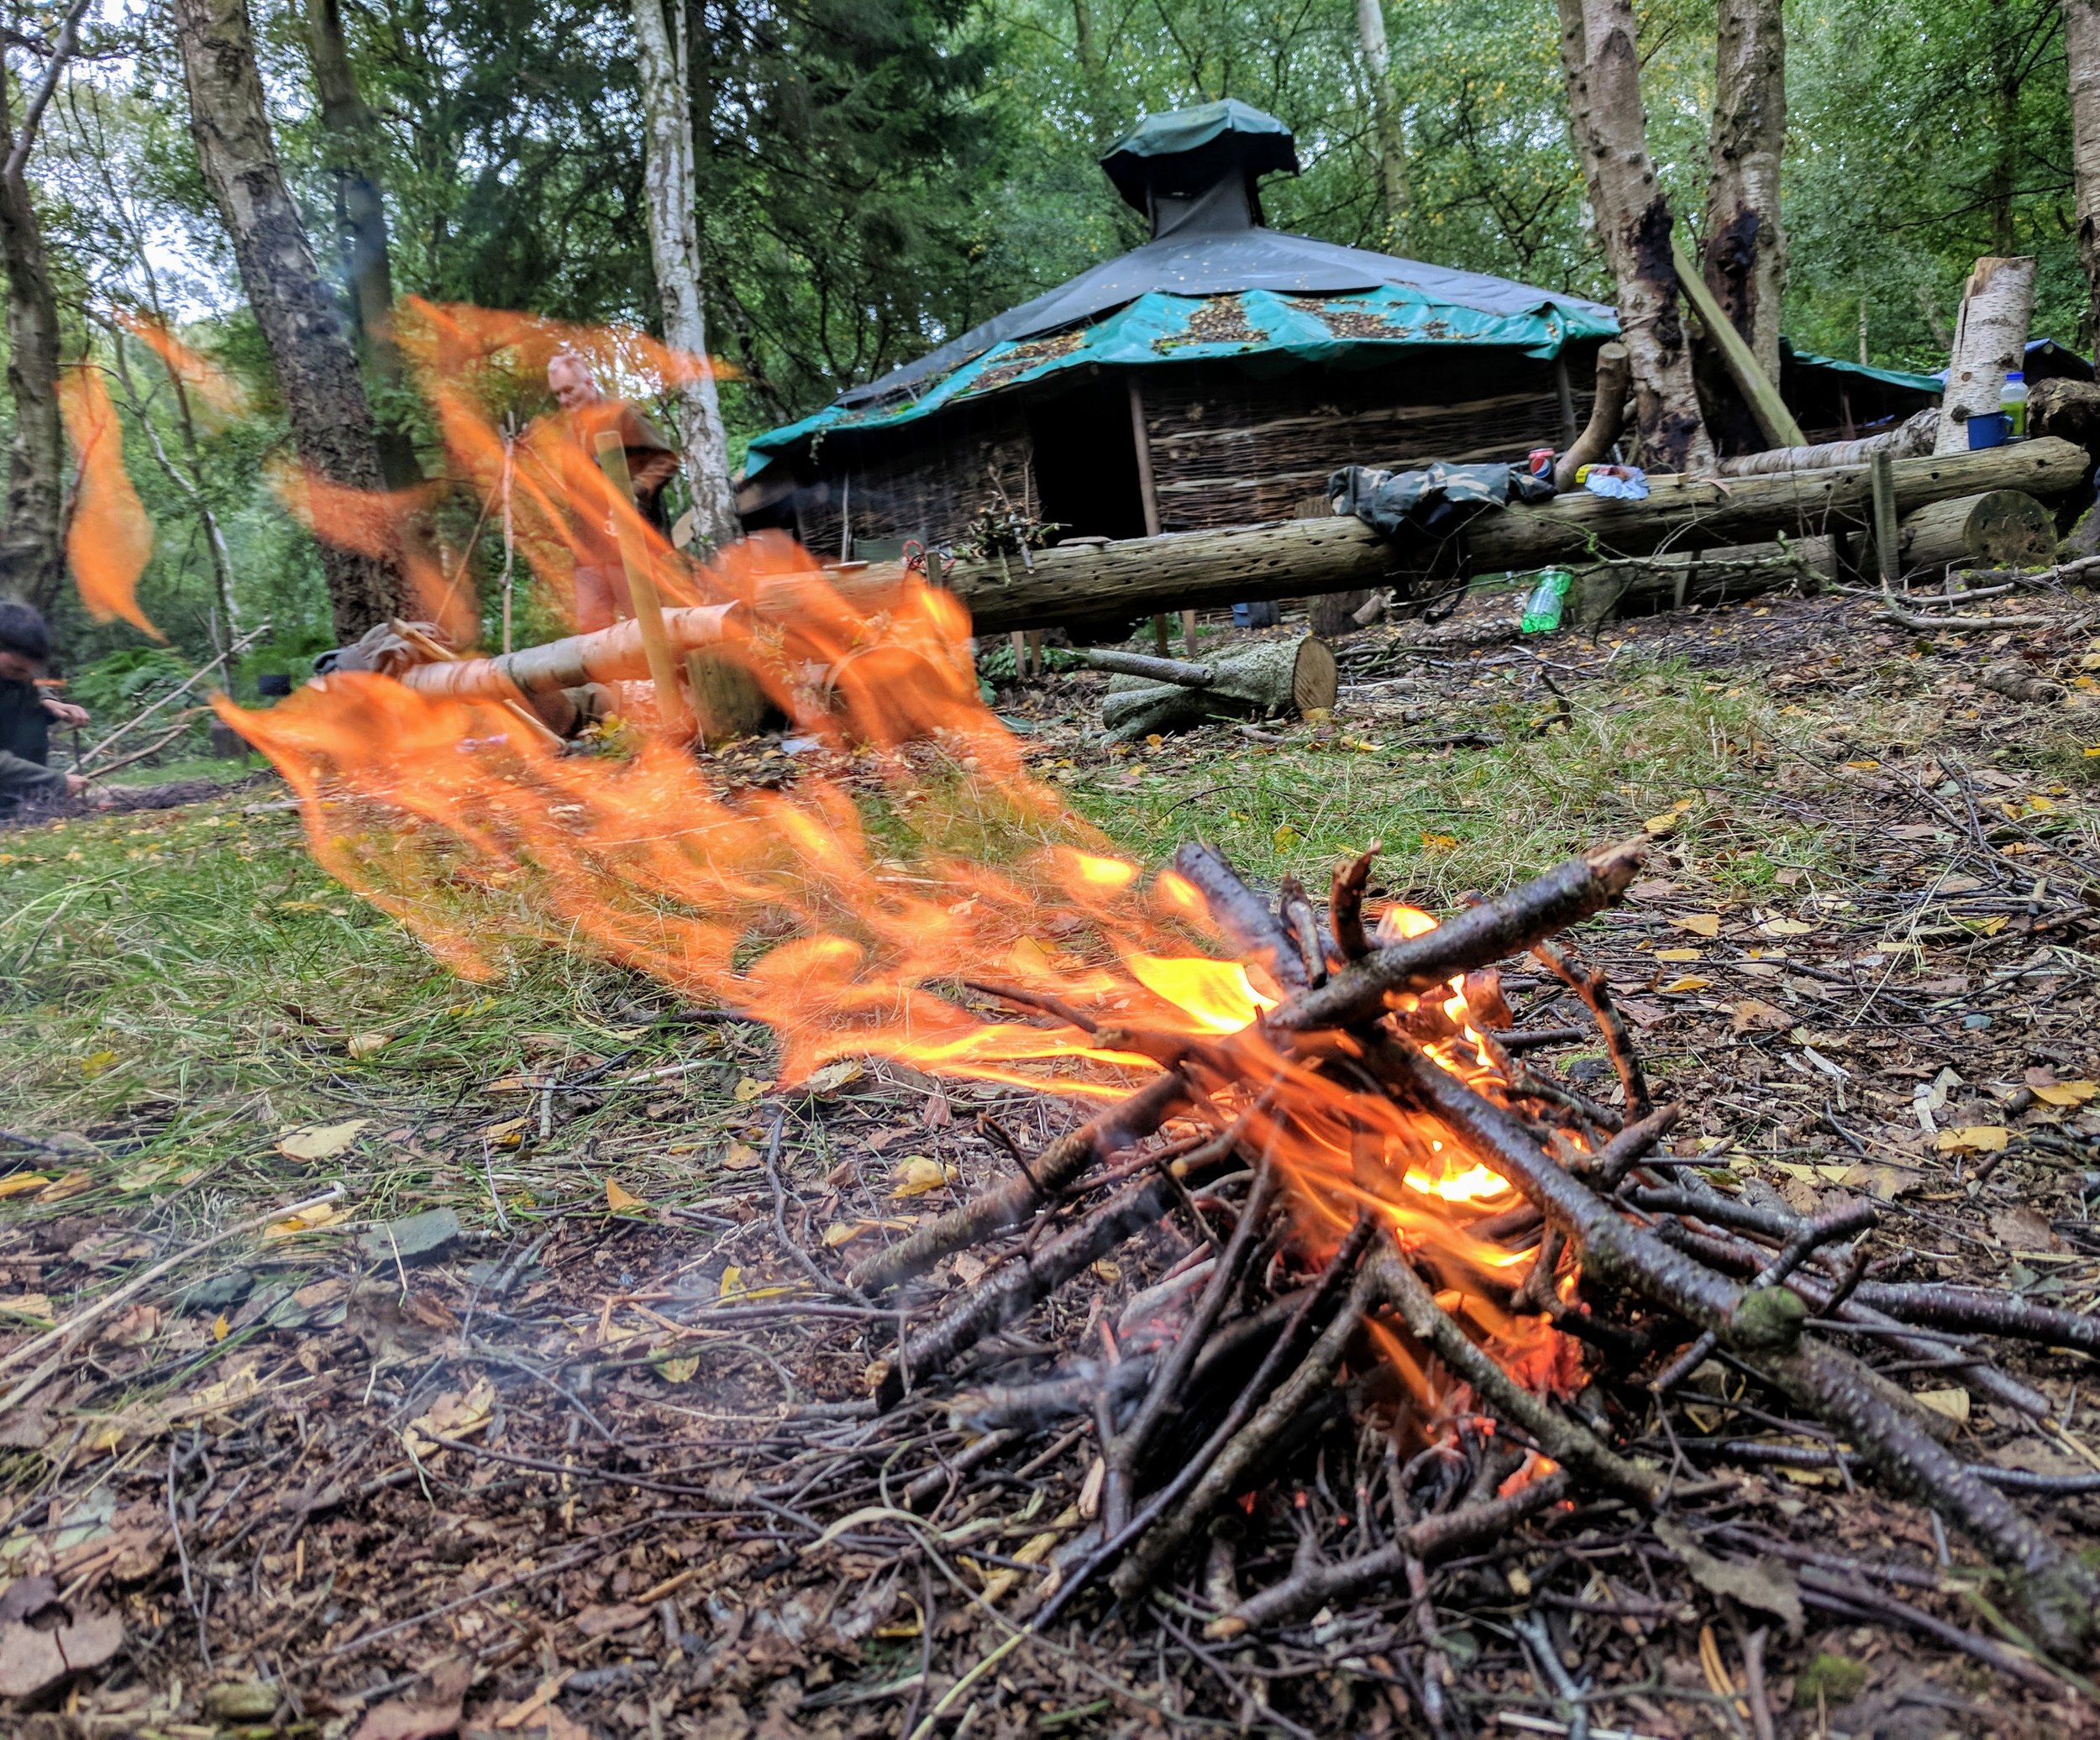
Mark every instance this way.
x=2023 y=1230
x=1680 y=955
x=96 y=1062
x=748 y=1089
x=1972 y=1139
x=1951 y=1404
x=1686 y=983
x=1285 y=837
x=918 y=1175
x=72 y=1185
x=1754 y=1015
x=2065 y=1093
x=23 y=1182
x=676 y=1370
x=620 y=1200
x=400 y=1719
x=1764 y=1584
x=363 y=1044
x=732 y=1281
x=43 y=1641
x=741 y=1157
x=1885 y=1182
x=1699 y=923
x=326 y=1214
x=452 y=1415
x=835 y=1076
x=1028 y=958
x=508 y=1133
x=970 y=1269
x=134 y=1328
x=320 y=1141
x=605 y=1621
x=844 y=1232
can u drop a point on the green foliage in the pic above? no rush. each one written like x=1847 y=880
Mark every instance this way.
x=120 y=683
x=1830 y=1679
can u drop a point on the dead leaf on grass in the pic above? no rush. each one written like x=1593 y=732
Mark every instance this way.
x=620 y=1200
x=1699 y=923
x=1972 y=1139
x=320 y=1141
x=2050 y=1092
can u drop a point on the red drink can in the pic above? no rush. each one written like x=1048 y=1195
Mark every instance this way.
x=1540 y=462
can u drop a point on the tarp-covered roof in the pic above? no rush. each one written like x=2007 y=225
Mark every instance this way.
x=1887 y=377
x=1210 y=296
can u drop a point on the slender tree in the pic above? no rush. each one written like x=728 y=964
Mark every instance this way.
x=669 y=181
x=1610 y=128
x=2081 y=46
x=1746 y=255
x=316 y=370
x=349 y=128
x=32 y=548
x=1386 y=116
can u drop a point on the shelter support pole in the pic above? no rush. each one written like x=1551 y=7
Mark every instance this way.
x=671 y=711
x=1141 y=446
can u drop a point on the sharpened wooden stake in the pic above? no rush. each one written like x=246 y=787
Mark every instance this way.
x=1774 y=421
x=672 y=713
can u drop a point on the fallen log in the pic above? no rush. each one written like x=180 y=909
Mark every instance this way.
x=610 y=655
x=1259 y=678
x=1907 y=440
x=1138 y=577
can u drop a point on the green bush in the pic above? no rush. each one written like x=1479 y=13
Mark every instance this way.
x=118 y=684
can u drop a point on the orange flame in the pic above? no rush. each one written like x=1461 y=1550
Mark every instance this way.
x=912 y=853
x=110 y=539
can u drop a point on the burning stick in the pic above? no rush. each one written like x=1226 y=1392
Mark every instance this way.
x=1476 y=938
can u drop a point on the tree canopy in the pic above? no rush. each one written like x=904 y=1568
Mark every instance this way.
x=875 y=176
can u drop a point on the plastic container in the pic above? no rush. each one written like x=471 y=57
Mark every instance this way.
x=1549 y=598
x=2011 y=402
x=1988 y=429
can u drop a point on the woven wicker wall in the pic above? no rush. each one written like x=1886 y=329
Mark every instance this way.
x=928 y=479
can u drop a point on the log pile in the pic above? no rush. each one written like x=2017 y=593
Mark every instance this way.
x=1257 y=679
x=1475 y=1360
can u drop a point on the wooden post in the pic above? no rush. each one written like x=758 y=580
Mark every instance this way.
x=1881 y=472
x=671 y=711
x=1141 y=444
x=1188 y=633
x=1774 y=419
x=1565 y=389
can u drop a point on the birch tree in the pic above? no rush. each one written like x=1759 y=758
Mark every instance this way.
x=2081 y=48
x=1386 y=116
x=316 y=370
x=1746 y=255
x=669 y=185
x=1610 y=128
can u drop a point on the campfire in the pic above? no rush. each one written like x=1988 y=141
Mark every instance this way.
x=1389 y=1284
x=1362 y=1280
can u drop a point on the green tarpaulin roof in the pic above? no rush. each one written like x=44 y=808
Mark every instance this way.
x=1359 y=327
x=1888 y=377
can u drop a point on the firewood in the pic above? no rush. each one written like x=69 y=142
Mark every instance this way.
x=1262 y=679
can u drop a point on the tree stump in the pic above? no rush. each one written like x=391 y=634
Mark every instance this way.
x=1255 y=680
x=2003 y=528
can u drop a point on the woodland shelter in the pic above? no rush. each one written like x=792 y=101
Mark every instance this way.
x=1213 y=377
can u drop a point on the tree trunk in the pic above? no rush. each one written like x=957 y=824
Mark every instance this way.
x=31 y=552
x=1745 y=259
x=668 y=173
x=316 y=370
x=1609 y=130
x=1990 y=341
x=368 y=260
x=1386 y=116
x=2081 y=48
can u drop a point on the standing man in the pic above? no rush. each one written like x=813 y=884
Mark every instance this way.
x=26 y=714
x=587 y=411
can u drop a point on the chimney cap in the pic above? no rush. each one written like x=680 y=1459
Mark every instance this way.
x=1186 y=152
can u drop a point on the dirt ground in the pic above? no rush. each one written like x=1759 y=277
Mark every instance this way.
x=542 y=1424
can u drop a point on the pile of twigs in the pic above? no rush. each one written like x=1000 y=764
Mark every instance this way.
x=1222 y=1379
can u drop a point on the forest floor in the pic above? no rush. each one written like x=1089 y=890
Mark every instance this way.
x=537 y=1429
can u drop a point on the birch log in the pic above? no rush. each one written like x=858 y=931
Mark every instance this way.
x=674 y=221
x=1610 y=126
x=2082 y=49
x=1990 y=341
